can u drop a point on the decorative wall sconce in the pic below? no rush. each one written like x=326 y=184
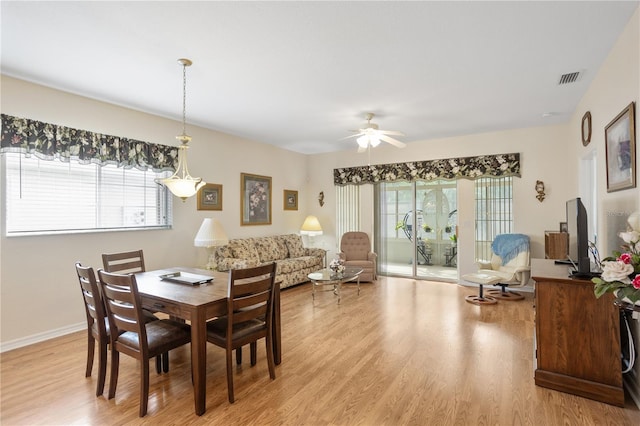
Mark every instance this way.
x=321 y=198
x=540 y=190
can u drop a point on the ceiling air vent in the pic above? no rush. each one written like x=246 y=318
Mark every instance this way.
x=569 y=78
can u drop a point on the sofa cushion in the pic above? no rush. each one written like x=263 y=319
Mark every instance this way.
x=231 y=263
x=244 y=249
x=268 y=249
x=287 y=266
x=283 y=251
x=294 y=245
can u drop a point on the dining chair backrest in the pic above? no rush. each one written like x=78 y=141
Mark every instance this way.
x=129 y=262
x=123 y=305
x=250 y=298
x=93 y=304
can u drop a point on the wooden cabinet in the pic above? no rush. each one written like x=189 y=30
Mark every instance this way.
x=577 y=336
x=556 y=245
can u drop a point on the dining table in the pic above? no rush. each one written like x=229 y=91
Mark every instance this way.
x=197 y=304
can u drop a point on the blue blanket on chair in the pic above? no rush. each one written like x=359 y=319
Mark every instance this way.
x=508 y=246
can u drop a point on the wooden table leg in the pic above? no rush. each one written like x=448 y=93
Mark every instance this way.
x=199 y=361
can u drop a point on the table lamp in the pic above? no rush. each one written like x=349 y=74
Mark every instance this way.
x=311 y=227
x=210 y=235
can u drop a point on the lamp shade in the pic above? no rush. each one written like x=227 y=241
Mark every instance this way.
x=210 y=234
x=311 y=226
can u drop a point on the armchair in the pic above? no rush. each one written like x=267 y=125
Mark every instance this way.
x=355 y=251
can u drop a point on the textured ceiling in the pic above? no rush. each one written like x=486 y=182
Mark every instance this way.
x=300 y=75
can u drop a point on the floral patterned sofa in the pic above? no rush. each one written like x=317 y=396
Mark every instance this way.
x=294 y=262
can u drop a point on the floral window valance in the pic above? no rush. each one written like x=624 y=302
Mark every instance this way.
x=49 y=141
x=449 y=168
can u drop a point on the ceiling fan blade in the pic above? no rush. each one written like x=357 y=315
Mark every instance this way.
x=352 y=136
x=393 y=141
x=391 y=132
x=361 y=149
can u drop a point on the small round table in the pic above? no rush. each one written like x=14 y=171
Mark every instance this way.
x=326 y=277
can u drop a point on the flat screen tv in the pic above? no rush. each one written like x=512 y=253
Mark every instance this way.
x=578 y=228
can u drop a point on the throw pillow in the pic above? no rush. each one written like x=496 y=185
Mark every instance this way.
x=267 y=249
x=295 y=247
x=244 y=249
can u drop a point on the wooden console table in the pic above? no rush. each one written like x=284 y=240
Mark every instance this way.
x=577 y=336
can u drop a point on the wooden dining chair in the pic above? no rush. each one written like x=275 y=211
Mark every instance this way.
x=97 y=323
x=98 y=330
x=131 y=336
x=249 y=317
x=132 y=262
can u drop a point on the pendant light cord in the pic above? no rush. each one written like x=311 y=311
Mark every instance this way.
x=184 y=98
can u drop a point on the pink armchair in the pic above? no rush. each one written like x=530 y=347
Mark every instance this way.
x=355 y=250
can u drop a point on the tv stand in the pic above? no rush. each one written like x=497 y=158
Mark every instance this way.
x=577 y=336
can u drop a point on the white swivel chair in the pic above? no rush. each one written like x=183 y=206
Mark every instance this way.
x=509 y=267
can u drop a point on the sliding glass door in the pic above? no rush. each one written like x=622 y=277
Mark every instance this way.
x=416 y=225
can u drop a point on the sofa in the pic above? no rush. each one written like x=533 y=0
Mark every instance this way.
x=293 y=261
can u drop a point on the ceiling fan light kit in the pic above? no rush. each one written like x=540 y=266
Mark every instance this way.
x=366 y=140
x=370 y=136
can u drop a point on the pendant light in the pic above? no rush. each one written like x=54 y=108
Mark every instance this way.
x=181 y=184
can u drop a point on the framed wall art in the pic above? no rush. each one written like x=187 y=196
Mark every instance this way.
x=255 y=200
x=210 y=197
x=290 y=200
x=620 y=140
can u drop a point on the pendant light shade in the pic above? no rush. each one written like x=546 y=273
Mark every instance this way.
x=181 y=183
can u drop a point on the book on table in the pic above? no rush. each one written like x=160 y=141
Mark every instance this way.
x=186 y=278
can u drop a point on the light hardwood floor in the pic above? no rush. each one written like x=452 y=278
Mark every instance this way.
x=403 y=352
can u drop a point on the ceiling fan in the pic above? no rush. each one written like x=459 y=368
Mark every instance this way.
x=369 y=136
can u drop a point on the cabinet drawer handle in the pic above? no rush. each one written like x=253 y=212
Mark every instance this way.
x=158 y=305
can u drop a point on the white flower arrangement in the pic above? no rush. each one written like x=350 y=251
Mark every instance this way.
x=621 y=272
x=337 y=265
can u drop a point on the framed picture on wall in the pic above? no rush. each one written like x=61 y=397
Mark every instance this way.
x=620 y=140
x=255 y=200
x=290 y=200
x=210 y=197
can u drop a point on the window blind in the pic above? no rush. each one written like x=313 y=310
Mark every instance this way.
x=347 y=209
x=494 y=212
x=44 y=197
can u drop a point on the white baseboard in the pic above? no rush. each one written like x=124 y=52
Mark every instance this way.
x=41 y=337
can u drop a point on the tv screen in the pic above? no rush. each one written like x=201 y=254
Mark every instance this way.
x=578 y=228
